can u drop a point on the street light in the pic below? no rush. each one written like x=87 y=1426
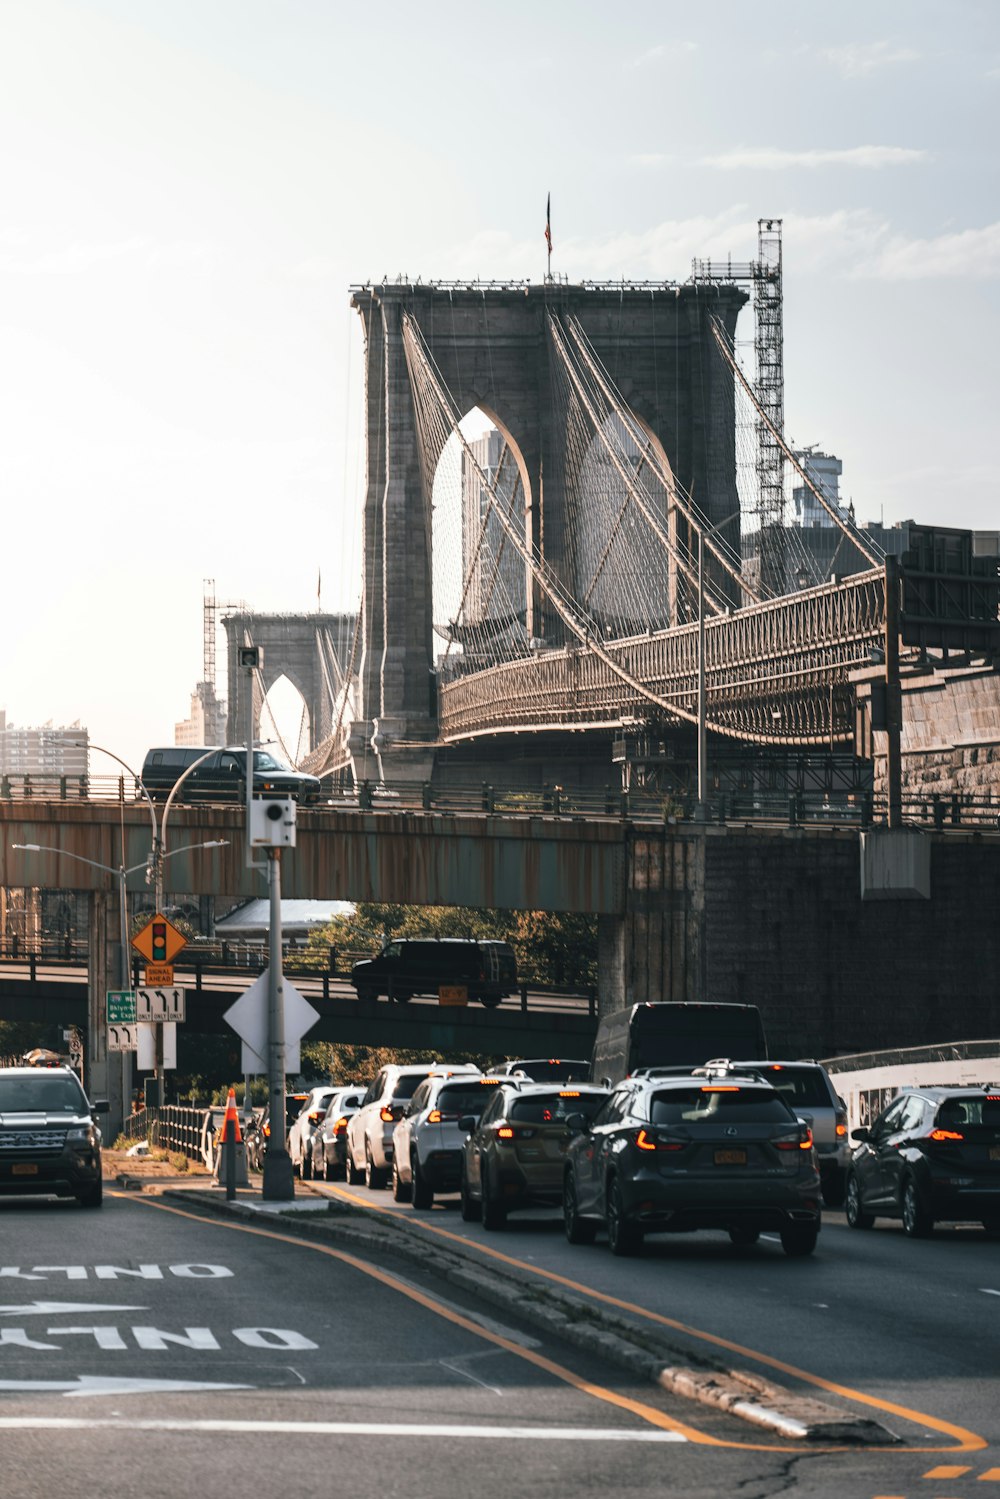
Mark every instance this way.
x=704 y=532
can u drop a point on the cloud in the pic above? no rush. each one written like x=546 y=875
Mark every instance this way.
x=967 y=253
x=663 y=50
x=775 y=159
x=651 y=159
x=859 y=60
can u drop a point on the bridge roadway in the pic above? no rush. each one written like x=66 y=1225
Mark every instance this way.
x=540 y=1023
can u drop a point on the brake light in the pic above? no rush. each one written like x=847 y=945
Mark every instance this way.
x=945 y=1134
x=341 y=1125
x=716 y=1088
x=386 y=1114
x=645 y=1141
x=316 y=1114
x=800 y=1141
x=267 y=1130
x=569 y=1095
x=489 y=1082
x=434 y=1117
x=505 y=1132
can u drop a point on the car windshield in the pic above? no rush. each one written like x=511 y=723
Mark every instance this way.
x=718 y=1103
x=45 y=1094
x=798 y=1086
x=555 y=1108
x=553 y=1071
x=954 y=1112
x=264 y=761
x=293 y=1106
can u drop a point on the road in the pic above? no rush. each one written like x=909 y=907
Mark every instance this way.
x=280 y=1366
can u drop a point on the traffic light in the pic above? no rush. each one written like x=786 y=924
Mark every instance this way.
x=159 y=941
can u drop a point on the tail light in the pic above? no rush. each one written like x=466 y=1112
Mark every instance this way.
x=937 y=1135
x=646 y=1141
x=434 y=1117
x=506 y=1132
x=266 y=1131
x=386 y=1114
x=840 y=1125
x=316 y=1115
x=801 y=1140
x=341 y=1126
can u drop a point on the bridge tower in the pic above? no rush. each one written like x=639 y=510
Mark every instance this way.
x=490 y=348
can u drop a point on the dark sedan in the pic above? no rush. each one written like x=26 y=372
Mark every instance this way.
x=675 y=1154
x=932 y=1155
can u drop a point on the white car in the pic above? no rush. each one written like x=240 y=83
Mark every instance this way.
x=369 y=1131
x=300 y=1133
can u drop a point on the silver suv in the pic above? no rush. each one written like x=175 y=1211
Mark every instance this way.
x=428 y=1141
x=808 y=1090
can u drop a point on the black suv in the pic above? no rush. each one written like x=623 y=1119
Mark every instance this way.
x=222 y=777
x=670 y=1154
x=49 y=1139
x=933 y=1153
x=486 y=971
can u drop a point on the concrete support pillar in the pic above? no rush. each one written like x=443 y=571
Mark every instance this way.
x=103 y=1075
x=658 y=950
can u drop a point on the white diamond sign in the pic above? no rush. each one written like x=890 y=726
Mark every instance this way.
x=248 y=1018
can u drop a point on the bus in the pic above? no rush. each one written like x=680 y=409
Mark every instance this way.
x=674 y=1034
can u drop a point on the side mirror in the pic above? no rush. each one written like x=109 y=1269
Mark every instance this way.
x=861 y=1134
x=101 y=1106
x=467 y=1123
x=577 y=1124
x=605 y=1082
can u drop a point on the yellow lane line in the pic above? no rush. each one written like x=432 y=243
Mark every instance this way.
x=967 y=1441
x=598 y=1392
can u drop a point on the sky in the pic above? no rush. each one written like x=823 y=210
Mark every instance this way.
x=189 y=188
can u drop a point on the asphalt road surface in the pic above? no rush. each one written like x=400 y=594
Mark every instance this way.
x=146 y=1350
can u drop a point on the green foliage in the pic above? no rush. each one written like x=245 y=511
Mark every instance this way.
x=552 y=949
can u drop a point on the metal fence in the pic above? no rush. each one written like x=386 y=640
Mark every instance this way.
x=173 y=1127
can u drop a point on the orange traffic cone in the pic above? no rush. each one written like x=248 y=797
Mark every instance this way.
x=231 y=1121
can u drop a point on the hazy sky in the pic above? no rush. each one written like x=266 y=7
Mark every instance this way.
x=188 y=188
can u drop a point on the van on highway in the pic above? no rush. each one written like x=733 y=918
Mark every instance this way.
x=669 y=1034
x=486 y=971
x=222 y=777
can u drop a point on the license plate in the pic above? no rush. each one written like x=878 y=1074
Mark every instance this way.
x=453 y=994
x=24 y=1168
x=730 y=1157
x=995 y=1152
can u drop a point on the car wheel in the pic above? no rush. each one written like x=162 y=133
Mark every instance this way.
x=350 y=1170
x=423 y=1193
x=799 y=1239
x=623 y=1237
x=401 y=996
x=374 y=1175
x=833 y=1188
x=744 y=1238
x=490 y=1000
x=493 y=1214
x=400 y=1189
x=470 y=1208
x=93 y=1196
x=917 y=1221
x=855 y=1213
x=578 y=1230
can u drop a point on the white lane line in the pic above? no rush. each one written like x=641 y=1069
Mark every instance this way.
x=987 y=1292
x=468 y=1374
x=346 y=1428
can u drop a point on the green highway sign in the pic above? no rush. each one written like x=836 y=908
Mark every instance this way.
x=121 y=1007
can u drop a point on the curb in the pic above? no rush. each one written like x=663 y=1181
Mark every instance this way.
x=595 y=1329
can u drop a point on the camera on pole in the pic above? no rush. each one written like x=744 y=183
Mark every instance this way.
x=272 y=822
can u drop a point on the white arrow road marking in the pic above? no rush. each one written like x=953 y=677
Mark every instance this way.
x=58 y=1308
x=90 y=1384
x=347 y=1428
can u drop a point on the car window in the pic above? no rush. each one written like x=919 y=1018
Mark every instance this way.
x=912 y=1115
x=493 y=1109
x=405 y=1087
x=718 y=1103
x=554 y=1108
x=613 y=1108
x=464 y=1098
x=53 y=1095
x=801 y=1087
x=420 y=1098
x=553 y=1071
x=393 y=950
x=888 y=1120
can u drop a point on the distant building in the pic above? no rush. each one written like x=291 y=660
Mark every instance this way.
x=207 y=724
x=46 y=751
x=824 y=470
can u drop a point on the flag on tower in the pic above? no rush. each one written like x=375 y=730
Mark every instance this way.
x=548 y=222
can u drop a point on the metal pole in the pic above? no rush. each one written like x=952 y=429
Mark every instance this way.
x=279 y=1184
x=125 y=982
x=893 y=697
x=702 y=726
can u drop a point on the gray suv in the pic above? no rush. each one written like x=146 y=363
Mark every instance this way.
x=809 y=1092
x=49 y=1139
